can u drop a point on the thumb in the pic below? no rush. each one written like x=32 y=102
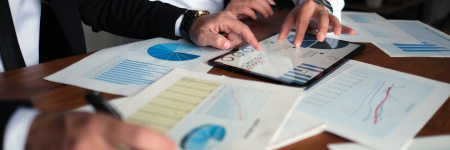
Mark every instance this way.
x=217 y=40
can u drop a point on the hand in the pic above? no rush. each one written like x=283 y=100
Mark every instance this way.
x=85 y=131
x=222 y=31
x=244 y=8
x=311 y=14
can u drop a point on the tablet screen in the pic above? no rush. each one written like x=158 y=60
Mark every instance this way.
x=281 y=61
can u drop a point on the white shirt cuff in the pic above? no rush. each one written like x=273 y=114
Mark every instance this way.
x=178 y=25
x=16 y=131
x=337 y=5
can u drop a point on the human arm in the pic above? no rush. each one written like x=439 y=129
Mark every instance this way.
x=72 y=130
x=144 y=19
x=311 y=15
x=138 y=19
x=85 y=131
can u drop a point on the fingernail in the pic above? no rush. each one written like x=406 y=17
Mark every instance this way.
x=320 y=36
x=338 y=31
x=259 y=48
x=297 y=44
x=226 y=45
x=273 y=3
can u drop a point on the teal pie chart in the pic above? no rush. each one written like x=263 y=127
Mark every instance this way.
x=203 y=137
x=174 y=52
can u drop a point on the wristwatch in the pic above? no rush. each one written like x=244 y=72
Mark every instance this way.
x=189 y=17
x=325 y=4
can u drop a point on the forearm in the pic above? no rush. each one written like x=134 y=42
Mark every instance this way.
x=133 y=18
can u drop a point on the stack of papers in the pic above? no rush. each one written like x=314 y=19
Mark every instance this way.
x=397 y=38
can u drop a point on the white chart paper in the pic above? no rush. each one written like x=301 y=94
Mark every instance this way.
x=439 y=142
x=127 y=69
x=296 y=127
x=434 y=43
x=374 y=106
x=371 y=27
x=203 y=111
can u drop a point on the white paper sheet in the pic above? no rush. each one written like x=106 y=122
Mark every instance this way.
x=203 y=111
x=371 y=27
x=296 y=127
x=434 y=43
x=127 y=69
x=439 y=142
x=374 y=106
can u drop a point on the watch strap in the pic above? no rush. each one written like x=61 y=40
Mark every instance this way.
x=188 y=19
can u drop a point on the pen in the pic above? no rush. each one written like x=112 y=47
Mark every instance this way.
x=100 y=104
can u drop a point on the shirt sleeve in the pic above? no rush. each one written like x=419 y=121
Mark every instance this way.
x=337 y=5
x=16 y=133
x=178 y=25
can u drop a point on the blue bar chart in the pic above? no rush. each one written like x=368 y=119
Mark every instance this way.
x=129 y=72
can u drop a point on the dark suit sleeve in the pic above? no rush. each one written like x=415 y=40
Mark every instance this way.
x=7 y=109
x=141 y=19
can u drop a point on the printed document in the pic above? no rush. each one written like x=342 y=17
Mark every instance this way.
x=374 y=106
x=127 y=69
x=439 y=142
x=434 y=43
x=371 y=27
x=203 y=111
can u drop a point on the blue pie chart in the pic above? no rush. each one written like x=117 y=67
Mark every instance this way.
x=203 y=137
x=310 y=41
x=174 y=51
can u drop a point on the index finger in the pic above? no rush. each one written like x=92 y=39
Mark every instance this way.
x=242 y=29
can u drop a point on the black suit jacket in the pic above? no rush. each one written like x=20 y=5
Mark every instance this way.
x=7 y=108
x=61 y=33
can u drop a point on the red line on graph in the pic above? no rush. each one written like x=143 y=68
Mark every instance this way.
x=381 y=103
x=239 y=106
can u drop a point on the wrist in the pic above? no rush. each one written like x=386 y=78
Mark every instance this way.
x=188 y=19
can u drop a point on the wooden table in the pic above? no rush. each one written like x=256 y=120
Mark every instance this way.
x=50 y=97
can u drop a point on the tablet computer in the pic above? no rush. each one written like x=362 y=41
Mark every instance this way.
x=281 y=62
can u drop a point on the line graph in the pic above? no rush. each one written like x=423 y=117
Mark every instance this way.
x=235 y=103
x=381 y=103
x=365 y=100
x=238 y=105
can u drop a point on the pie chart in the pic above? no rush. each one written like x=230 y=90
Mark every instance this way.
x=310 y=41
x=174 y=51
x=203 y=137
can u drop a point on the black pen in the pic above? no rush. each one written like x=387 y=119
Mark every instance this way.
x=100 y=104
